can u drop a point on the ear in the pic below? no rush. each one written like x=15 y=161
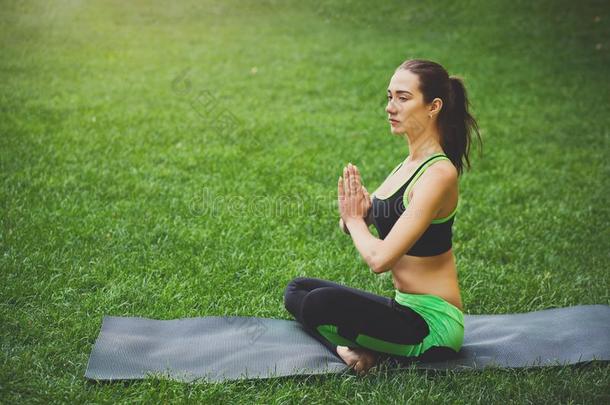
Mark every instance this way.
x=436 y=106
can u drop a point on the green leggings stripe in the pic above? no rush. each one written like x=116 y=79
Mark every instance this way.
x=331 y=333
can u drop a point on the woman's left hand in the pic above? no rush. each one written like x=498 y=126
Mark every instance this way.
x=353 y=201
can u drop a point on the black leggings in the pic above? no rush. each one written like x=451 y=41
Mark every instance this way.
x=315 y=302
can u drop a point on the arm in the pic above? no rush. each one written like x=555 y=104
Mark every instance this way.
x=367 y=244
x=381 y=255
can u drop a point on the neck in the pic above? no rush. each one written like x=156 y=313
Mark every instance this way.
x=423 y=145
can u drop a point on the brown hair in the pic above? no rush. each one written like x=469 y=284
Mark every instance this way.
x=455 y=121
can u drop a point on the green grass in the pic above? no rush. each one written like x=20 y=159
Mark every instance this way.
x=122 y=196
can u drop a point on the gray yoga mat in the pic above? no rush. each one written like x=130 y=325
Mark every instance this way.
x=229 y=348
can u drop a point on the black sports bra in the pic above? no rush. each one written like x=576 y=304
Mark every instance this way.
x=437 y=238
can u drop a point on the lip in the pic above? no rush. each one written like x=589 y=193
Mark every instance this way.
x=393 y=121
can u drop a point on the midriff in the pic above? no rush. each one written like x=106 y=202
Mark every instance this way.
x=435 y=275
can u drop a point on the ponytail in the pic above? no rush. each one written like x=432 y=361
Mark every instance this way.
x=457 y=125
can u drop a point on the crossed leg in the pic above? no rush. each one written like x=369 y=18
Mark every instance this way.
x=342 y=317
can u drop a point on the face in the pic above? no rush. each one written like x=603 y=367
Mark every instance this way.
x=406 y=110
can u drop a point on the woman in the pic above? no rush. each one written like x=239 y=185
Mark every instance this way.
x=413 y=211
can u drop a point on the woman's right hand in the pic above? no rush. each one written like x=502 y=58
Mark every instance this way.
x=369 y=204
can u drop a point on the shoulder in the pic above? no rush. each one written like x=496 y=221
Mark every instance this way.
x=443 y=171
x=441 y=175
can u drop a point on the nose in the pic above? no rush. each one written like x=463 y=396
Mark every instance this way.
x=390 y=108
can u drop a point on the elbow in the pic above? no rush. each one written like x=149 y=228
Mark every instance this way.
x=382 y=264
x=379 y=267
x=374 y=264
x=378 y=261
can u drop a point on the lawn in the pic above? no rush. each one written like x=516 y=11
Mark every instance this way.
x=180 y=159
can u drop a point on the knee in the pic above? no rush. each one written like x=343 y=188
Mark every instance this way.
x=294 y=285
x=321 y=301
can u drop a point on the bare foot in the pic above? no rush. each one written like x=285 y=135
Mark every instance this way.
x=359 y=358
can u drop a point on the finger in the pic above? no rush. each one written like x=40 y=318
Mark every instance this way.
x=340 y=195
x=358 y=176
x=354 y=182
x=348 y=180
x=365 y=191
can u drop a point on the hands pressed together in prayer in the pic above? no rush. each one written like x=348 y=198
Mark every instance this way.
x=354 y=199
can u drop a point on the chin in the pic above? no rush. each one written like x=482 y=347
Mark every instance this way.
x=396 y=131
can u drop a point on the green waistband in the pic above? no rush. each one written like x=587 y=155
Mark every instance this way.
x=430 y=306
